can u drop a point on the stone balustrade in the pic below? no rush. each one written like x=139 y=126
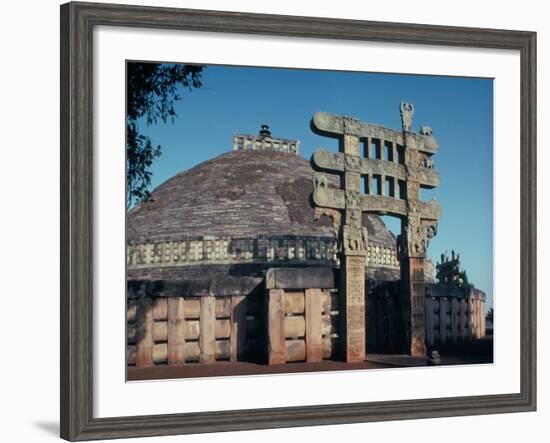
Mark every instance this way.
x=211 y=250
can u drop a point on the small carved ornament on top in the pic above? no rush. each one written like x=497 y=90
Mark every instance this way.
x=407 y=111
x=425 y=130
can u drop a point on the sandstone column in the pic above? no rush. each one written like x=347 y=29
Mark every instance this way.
x=207 y=337
x=176 y=328
x=354 y=247
x=144 y=332
x=276 y=346
x=314 y=337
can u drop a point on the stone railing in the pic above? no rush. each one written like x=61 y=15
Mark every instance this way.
x=454 y=314
x=213 y=250
x=302 y=315
x=254 y=142
x=182 y=330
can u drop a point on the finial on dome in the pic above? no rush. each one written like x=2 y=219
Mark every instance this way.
x=264 y=131
x=265 y=141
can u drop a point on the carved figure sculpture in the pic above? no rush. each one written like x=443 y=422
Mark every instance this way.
x=407 y=111
x=319 y=180
x=425 y=130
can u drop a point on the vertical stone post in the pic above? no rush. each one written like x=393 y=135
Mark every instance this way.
x=144 y=332
x=475 y=313
x=463 y=319
x=207 y=325
x=479 y=316
x=413 y=297
x=276 y=346
x=176 y=328
x=413 y=247
x=314 y=333
x=455 y=319
x=352 y=263
x=483 y=321
x=429 y=321
x=353 y=308
x=471 y=316
x=237 y=346
x=442 y=320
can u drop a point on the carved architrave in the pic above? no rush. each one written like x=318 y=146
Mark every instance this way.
x=383 y=167
x=351 y=126
x=334 y=125
x=426 y=176
x=383 y=204
x=324 y=159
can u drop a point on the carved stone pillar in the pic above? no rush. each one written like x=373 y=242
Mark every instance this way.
x=413 y=295
x=352 y=264
x=352 y=270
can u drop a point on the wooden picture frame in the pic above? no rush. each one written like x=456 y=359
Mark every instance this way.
x=77 y=23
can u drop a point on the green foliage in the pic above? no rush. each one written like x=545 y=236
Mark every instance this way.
x=152 y=90
x=465 y=281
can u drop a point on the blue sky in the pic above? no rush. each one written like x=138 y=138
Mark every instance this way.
x=459 y=110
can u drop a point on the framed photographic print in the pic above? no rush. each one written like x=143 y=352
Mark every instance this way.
x=256 y=208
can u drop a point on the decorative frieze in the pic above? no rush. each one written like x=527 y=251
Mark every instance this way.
x=228 y=251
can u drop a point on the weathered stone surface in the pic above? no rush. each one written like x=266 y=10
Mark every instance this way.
x=352 y=309
x=294 y=303
x=333 y=126
x=313 y=326
x=295 y=350
x=425 y=173
x=220 y=285
x=241 y=208
x=289 y=278
x=207 y=337
x=295 y=326
x=276 y=349
x=144 y=333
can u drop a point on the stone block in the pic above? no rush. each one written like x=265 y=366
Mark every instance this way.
x=301 y=278
x=275 y=323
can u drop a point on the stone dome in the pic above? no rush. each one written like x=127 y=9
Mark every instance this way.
x=240 y=207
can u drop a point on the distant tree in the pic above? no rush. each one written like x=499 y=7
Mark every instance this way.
x=489 y=316
x=152 y=90
x=464 y=277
